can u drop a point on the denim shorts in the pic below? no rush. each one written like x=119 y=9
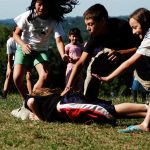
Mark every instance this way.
x=136 y=85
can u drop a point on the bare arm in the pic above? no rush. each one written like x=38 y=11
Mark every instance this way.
x=10 y=62
x=9 y=65
x=121 y=68
x=127 y=51
x=25 y=46
x=76 y=69
x=61 y=48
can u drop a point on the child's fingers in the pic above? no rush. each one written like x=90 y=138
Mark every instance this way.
x=96 y=76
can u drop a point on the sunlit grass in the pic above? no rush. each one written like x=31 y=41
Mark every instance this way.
x=32 y=135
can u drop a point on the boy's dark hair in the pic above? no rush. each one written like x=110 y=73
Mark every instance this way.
x=76 y=32
x=96 y=12
x=56 y=8
x=142 y=15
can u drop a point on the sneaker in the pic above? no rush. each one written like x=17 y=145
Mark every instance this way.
x=15 y=112
x=22 y=113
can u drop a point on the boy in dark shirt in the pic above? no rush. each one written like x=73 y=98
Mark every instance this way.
x=110 y=40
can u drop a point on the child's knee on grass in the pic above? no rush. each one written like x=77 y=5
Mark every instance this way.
x=30 y=103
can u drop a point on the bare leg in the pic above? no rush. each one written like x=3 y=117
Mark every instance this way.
x=131 y=109
x=29 y=84
x=7 y=82
x=136 y=115
x=145 y=125
x=18 y=77
x=42 y=70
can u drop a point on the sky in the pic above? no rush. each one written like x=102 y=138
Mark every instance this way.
x=12 y=8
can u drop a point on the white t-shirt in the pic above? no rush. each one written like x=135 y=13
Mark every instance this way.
x=144 y=48
x=37 y=32
x=11 y=46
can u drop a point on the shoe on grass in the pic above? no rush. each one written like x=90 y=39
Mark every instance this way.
x=131 y=129
x=22 y=113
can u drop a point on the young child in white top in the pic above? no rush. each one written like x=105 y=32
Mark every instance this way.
x=32 y=34
x=11 y=49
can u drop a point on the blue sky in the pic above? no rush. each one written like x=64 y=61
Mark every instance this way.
x=12 y=8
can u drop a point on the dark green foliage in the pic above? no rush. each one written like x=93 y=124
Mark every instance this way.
x=4 y=32
x=8 y=22
x=119 y=86
x=75 y=22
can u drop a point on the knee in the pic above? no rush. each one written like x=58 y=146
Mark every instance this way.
x=30 y=103
x=44 y=76
x=8 y=76
x=17 y=78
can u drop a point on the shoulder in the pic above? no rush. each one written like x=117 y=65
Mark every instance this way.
x=23 y=15
x=68 y=45
x=147 y=35
x=10 y=40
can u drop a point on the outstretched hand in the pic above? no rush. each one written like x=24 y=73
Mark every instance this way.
x=100 y=78
x=113 y=55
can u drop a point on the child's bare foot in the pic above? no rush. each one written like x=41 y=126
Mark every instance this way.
x=32 y=116
x=144 y=128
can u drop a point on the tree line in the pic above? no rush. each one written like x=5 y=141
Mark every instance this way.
x=118 y=86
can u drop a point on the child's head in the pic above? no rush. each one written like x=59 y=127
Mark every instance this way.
x=75 y=36
x=139 y=21
x=96 y=12
x=41 y=8
x=96 y=18
x=50 y=8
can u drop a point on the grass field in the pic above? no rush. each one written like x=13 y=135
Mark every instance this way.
x=16 y=134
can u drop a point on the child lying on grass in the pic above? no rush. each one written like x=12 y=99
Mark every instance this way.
x=48 y=105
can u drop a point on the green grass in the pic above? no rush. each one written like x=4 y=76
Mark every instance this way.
x=16 y=134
